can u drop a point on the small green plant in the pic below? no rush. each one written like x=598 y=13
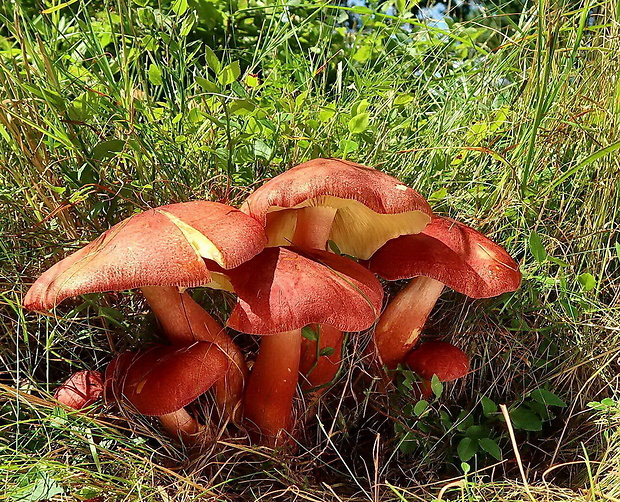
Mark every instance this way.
x=478 y=432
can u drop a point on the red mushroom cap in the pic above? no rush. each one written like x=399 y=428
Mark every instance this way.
x=372 y=206
x=438 y=358
x=81 y=389
x=452 y=253
x=164 y=379
x=282 y=290
x=166 y=246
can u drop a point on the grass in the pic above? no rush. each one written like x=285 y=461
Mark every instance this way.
x=508 y=122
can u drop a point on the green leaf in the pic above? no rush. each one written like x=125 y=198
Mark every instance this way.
x=363 y=53
x=438 y=195
x=146 y=16
x=617 y=246
x=526 y=420
x=242 y=107
x=212 y=61
x=309 y=334
x=207 y=85
x=488 y=406
x=359 y=123
x=436 y=386
x=251 y=80
x=179 y=7
x=262 y=150
x=187 y=25
x=467 y=448
x=547 y=398
x=107 y=149
x=230 y=73
x=557 y=261
x=333 y=247
x=464 y=421
x=491 y=447
x=420 y=407
x=360 y=9
x=476 y=432
x=155 y=75
x=327 y=351
x=58 y=7
x=587 y=281
x=34 y=486
x=326 y=113
x=536 y=247
x=348 y=145
x=360 y=107
x=403 y=99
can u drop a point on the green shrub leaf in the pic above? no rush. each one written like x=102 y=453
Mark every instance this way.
x=536 y=247
x=155 y=74
x=212 y=61
x=525 y=419
x=547 y=398
x=587 y=281
x=230 y=73
x=359 y=123
x=491 y=447
x=467 y=448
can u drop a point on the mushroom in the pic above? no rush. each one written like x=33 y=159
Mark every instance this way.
x=81 y=389
x=444 y=253
x=356 y=207
x=161 y=251
x=279 y=292
x=163 y=380
x=437 y=358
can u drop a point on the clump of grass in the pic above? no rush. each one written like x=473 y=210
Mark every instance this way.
x=506 y=122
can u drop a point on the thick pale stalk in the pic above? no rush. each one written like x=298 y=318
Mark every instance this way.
x=314 y=224
x=319 y=370
x=185 y=322
x=401 y=323
x=271 y=387
x=181 y=425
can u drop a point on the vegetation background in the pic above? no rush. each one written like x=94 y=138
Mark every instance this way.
x=506 y=117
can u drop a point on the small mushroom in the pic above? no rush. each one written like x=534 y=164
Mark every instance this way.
x=163 y=380
x=81 y=389
x=279 y=292
x=161 y=251
x=444 y=253
x=437 y=358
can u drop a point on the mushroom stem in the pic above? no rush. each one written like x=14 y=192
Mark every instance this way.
x=319 y=369
x=181 y=324
x=181 y=425
x=185 y=322
x=401 y=323
x=314 y=224
x=271 y=387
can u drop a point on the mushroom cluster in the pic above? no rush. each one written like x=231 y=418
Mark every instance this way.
x=300 y=254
